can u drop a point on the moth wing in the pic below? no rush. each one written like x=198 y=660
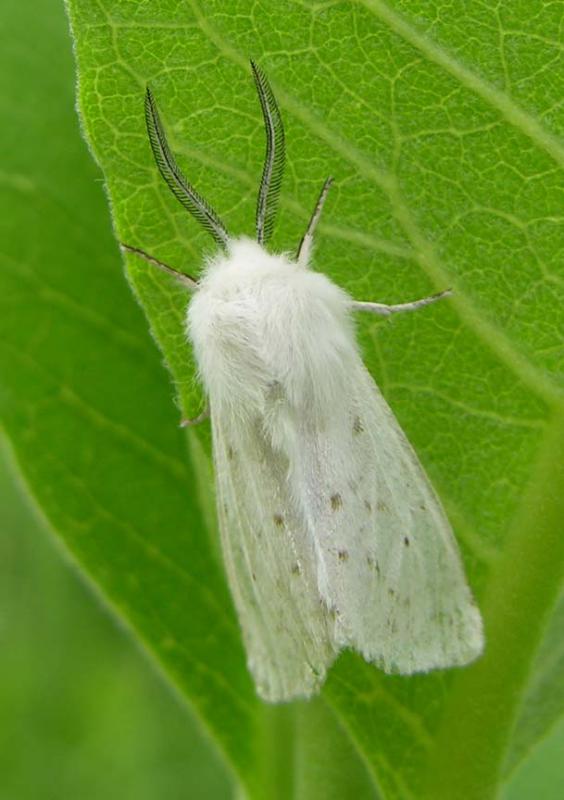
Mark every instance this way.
x=388 y=563
x=270 y=565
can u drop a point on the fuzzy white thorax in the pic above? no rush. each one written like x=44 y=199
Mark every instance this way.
x=263 y=327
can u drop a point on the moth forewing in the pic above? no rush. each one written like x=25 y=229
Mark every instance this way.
x=391 y=565
x=270 y=565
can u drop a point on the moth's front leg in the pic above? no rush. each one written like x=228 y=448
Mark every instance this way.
x=189 y=423
x=385 y=311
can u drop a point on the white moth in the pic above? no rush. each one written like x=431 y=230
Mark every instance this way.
x=332 y=534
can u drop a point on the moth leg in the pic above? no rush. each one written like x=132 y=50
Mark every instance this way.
x=304 y=249
x=181 y=277
x=189 y=423
x=385 y=311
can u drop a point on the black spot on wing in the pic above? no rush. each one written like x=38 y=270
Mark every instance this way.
x=358 y=427
x=373 y=564
x=336 y=501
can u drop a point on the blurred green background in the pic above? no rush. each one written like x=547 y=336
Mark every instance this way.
x=84 y=714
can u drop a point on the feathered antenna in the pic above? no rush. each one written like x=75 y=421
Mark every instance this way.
x=269 y=190
x=177 y=183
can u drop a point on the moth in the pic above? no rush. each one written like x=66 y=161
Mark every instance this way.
x=331 y=532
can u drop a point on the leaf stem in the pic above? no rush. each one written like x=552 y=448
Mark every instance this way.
x=327 y=765
x=305 y=754
x=524 y=587
x=276 y=749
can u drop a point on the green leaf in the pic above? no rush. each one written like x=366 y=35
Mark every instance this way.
x=440 y=125
x=75 y=693
x=543 y=702
x=542 y=774
x=86 y=402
